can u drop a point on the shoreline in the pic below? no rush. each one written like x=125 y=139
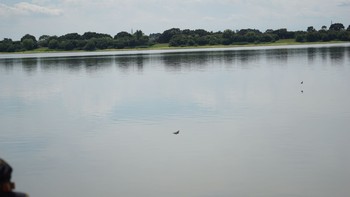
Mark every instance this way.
x=164 y=48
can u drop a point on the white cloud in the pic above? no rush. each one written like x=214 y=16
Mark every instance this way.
x=24 y=8
x=151 y=16
x=344 y=4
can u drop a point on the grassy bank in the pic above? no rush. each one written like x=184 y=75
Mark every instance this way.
x=166 y=46
x=281 y=42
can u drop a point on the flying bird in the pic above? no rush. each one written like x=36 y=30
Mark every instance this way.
x=301 y=82
x=302 y=91
x=176 y=132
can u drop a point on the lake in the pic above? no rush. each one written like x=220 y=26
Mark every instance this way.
x=102 y=123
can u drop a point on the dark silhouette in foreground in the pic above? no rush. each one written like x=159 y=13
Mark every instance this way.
x=176 y=132
x=6 y=186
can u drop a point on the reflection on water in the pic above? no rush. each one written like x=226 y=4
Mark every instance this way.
x=102 y=125
x=337 y=55
x=311 y=54
x=176 y=60
x=30 y=65
x=126 y=63
x=76 y=63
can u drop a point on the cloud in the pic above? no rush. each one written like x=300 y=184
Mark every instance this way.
x=151 y=16
x=344 y=4
x=24 y=8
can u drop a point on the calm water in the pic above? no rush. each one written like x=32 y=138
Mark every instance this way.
x=92 y=124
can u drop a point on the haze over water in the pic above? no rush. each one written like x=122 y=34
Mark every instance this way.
x=86 y=124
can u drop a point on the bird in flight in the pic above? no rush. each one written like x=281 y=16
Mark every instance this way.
x=301 y=82
x=176 y=132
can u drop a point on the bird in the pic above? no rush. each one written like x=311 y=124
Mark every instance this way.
x=176 y=132
x=302 y=91
x=301 y=82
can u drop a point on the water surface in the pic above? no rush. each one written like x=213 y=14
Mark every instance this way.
x=101 y=124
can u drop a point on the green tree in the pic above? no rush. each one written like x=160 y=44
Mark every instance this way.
x=214 y=39
x=337 y=27
x=311 y=29
x=90 y=45
x=154 y=37
x=143 y=41
x=132 y=42
x=265 y=38
x=140 y=38
x=53 y=44
x=330 y=35
x=28 y=36
x=227 y=36
x=120 y=43
x=201 y=32
x=202 y=40
x=168 y=34
x=178 y=40
x=66 y=45
x=284 y=33
x=245 y=31
x=44 y=41
x=313 y=37
x=237 y=38
x=15 y=46
x=70 y=36
x=187 y=32
x=28 y=44
x=124 y=39
x=343 y=36
x=103 y=43
x=6 y=44
x=269 y=31
x=300 y=38
x=251 y=36
x=80 y=44
x=138 y=34
x=191 y=41
x=90 y=35
x=122 y=34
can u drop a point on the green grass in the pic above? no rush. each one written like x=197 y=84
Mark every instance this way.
x=165 y=46
x=277 y=43
x=293 y=42
x=160 y=46
x=39 y=50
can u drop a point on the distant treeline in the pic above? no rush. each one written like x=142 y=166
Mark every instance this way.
x=176 y=37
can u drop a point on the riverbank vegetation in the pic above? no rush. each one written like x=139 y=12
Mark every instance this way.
x=174 y=37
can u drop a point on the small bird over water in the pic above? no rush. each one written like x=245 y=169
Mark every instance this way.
x=176 y=132
x=301 y=82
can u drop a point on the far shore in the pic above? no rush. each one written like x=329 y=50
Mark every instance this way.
x=282 y=42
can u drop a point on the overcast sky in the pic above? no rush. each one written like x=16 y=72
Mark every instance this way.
x=58 y=17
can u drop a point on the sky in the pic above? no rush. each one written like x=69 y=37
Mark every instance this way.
x=59 y=17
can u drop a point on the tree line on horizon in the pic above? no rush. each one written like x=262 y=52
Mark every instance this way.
x=175 y=37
